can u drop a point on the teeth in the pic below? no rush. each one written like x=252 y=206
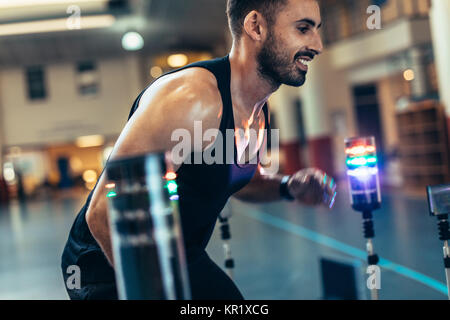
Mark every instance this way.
x=305 y=62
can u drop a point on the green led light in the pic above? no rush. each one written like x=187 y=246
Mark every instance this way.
x=111 y=194
x=361 y=161
x=172 y=187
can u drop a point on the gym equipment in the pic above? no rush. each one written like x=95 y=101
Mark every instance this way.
x=225 y=235
x=364 y=185
x=148 y=248
x=439 y=205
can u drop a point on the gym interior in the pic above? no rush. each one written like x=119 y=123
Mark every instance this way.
x=70 y=70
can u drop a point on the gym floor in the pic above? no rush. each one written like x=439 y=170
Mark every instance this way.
x=277 y=248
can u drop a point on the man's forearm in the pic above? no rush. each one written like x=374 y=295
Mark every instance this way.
x=262 y=189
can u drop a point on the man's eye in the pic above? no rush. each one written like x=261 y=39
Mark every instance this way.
x=303 y=29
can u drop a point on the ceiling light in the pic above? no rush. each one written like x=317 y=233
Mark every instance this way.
x=132 y=41
x=54 y=25
x=409 y=75
x=5 y=4
x=177 y=60
x=89 y=141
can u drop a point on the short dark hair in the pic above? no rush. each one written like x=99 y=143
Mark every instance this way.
x=237 y=10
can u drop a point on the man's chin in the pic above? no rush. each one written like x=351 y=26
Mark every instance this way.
x=295 y=83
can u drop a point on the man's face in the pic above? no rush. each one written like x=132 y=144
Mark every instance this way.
x=292 y=42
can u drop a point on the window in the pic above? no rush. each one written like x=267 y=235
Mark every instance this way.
x=35 y=78
x=87 y=78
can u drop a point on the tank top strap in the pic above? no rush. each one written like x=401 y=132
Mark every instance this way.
x=266 y=116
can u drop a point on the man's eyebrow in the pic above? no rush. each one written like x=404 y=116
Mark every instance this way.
x=311 y=22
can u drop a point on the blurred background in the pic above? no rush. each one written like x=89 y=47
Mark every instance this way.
x=70 y=71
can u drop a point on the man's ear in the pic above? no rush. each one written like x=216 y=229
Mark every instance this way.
x=255 y=25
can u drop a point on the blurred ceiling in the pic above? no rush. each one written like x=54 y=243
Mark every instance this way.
x=164 y=24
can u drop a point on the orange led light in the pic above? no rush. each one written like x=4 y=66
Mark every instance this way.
x=170 y=176
x=359 y=150
x=110 y=186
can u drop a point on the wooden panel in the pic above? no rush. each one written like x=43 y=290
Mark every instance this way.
x=424 y=150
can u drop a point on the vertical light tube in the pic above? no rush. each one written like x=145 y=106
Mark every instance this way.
x=148 y=247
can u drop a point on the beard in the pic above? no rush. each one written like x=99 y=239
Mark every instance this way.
x=275 y=65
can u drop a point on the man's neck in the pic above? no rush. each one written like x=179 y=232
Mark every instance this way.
x=249 y=90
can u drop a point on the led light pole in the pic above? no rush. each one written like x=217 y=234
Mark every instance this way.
x=148 y=247
x=439 y=205
x=225 y=235
x=364 y=186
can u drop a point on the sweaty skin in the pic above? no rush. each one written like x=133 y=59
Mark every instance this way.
x=177 y=100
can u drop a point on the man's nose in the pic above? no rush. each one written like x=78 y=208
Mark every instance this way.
x=316 y=44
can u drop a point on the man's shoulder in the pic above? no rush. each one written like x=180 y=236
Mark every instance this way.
x=186 y=95
x=193 y=86
x=195 y=80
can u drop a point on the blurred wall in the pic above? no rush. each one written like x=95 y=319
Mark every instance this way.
x=394 y=38
x=65 y=115
x=440 y=21
x=80 y=159
x=328 y=108
x=390 y=89
x=2 y=128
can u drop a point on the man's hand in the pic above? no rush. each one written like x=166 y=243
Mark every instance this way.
x=312 y=187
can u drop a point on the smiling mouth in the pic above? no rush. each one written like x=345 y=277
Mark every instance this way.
x=303 y=63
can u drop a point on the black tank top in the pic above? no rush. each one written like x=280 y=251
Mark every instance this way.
x=203 y=188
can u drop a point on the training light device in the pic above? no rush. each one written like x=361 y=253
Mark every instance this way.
x=439 y=205
x=225 y=234
x=147 y=240
x=172 y=186
x=362 y=171
x=364 y=187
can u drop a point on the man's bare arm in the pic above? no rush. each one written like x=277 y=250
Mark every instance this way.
x=309 y=186
x=175 y=102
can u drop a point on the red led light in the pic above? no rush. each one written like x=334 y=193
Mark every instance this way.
x=359 y=150
x=170 y=176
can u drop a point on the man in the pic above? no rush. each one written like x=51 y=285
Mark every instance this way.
x=273 y=43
